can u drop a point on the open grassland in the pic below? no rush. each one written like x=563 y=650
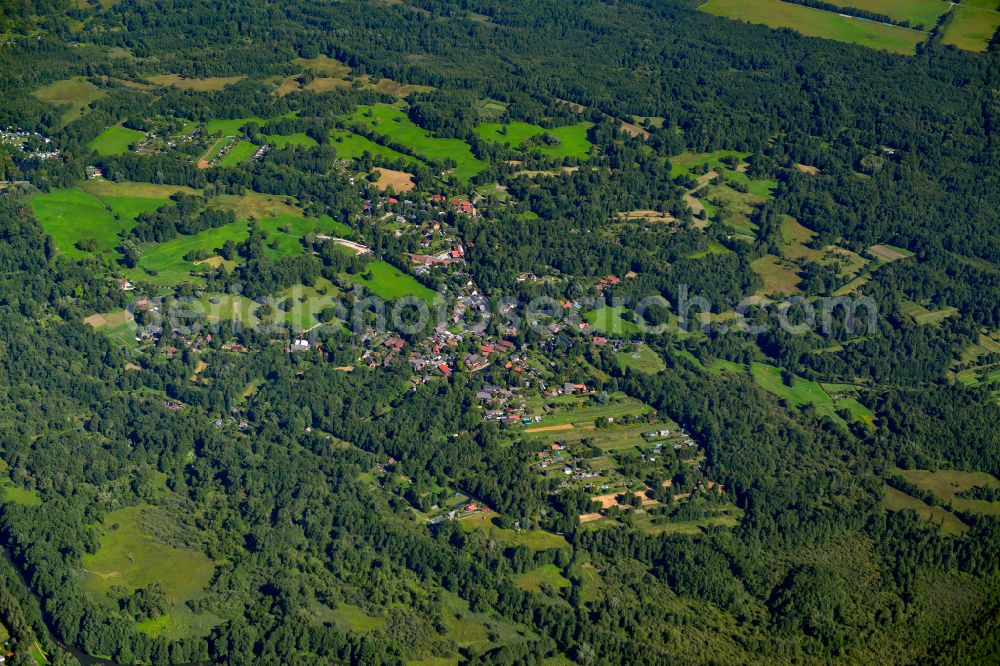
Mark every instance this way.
x=886 y=253
x=642 y=359
x=921 y=14
x=297 y=139
x=532 y=539
x=611 y=320
x=547 y=575
x=581 y=412
x=388 y=282
x=727 y=517
x=896 y=500
x=108 y=188
x=399 y=181
x=256 y=205
x=571 y=139
x=946 y=484
x=285 y=232
x=115 y=140
x=923 y=316
x=351 y=146
x=238 y=154
x=129 y=556
x=391 y=122
x=198 y=85
x=779 y=276
x=77 y=92
x=683 y=163
x=971 y=28
x=164 y=263
x=18 y=495
x=72 y=215
x=324 y=65
x=818 y=23
x=351 y=618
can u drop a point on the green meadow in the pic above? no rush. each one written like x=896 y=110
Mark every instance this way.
x=129 y=556
x=573 y=140
x=388 y=282
x=611 y=320
x=238 y=154
x=393 y=123
x=971 y=28
x=818 y=23
x=297 y=139
x=164 y=263
x=71 y=215
x=350 y=146
x=76 y=93
x=115 y=140
x=643 y=359
x=922 y=14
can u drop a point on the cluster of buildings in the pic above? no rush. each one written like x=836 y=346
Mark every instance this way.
x=32 y=144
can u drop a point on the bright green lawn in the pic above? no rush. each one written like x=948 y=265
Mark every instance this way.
x=547 y=574
x=297 y=139
x=922 y=14
x=116 y=140
x=573 y=138
x=643 y=360
x=393 y=123
x=239 y=153
x=388 y=282
x=610 y=320
x=164 y=263
x=70 y=215
x=350 y=146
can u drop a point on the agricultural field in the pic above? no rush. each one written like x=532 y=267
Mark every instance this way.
x=131 y=557
x=971 y=28
x=388 y=282
x=393 y=123
x=571 y=412
x=116 y=140
x=399 y=181
x=119 y=326
x=818 y=23
x=76 y=92
x=572 y=139
x=886 y=253
x=921 y=14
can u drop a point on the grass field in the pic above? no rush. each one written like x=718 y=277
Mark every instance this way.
x=582 y=413
x=683 y=163
x=573 y=140
x=164 y=263
x=353 y=619
x=548 y=575
x=297 y=139
x=818 y=23
x=130 y=557
x=395 y=124
x=923 y=316
x=19 y=495
x=896 y=500
x=198 y=85
x=115 y=140
x=78 y=92
x=946 y=484
x=533 y=539
x=118 y=325
x=71 y=215
x=388 y=282
x=610 y=320
x=971 y=28
x=239 y=153
x=778 y=276
x=350 y=146
x=643 y=359
x=922 y=14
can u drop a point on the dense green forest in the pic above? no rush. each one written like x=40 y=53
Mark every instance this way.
x=215 y=447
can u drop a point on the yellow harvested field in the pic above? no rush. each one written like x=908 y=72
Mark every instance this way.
x=805 y=168
x=400 y=181
x=561 y=426
x=324 y=84
x=214 y=262
x=651 y=215
x=589 y=517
